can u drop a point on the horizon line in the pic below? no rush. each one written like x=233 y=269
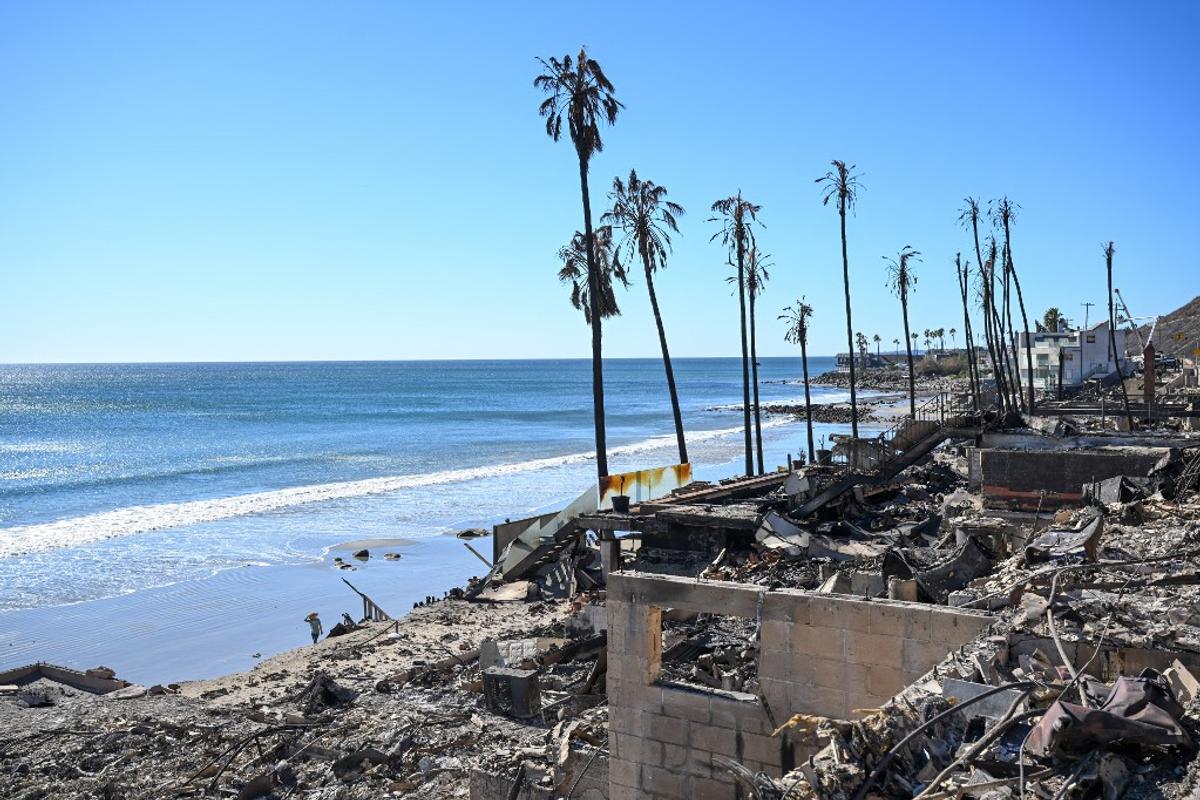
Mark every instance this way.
x=370 y=360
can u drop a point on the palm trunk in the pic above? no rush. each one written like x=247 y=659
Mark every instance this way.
x=1112 y=336
x=758 y=448
x=912 y=380
x=986 y=281
x=662 y=341
x=1016 y=362
x=594 y=302
x=807 y=398
x=849 y=322
x=968 y=341
x=745 y=354
x=1024 y=318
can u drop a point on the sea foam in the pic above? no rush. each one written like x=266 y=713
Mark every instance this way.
x=25 y=539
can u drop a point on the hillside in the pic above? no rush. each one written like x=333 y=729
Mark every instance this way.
x=1177 y=334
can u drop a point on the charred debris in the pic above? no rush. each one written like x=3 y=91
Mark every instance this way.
x=1075 y=543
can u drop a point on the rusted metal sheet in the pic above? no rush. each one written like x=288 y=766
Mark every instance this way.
x=644 y=484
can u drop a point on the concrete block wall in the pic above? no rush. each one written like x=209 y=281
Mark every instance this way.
x=822 y=654
x=1018 y=478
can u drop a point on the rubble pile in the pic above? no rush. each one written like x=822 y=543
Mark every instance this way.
x=1085 y=684
x=1044 y=704
x=894 y=379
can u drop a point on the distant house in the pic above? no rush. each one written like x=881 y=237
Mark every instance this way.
x=871 y=361
x=1082 y=354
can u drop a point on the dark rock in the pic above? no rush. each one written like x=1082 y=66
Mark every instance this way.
x=258 y=786
x=324 y=692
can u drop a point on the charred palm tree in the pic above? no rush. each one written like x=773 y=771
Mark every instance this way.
x=962 y=272
x=579 y=92
x=901 y=280
x=1112 y=333
x=968 y=216
x=877 y=340
x=842 y=184
x=797 y=333
x=1006 y=211
x=574 y=271
x=997 y=260
x=756 y=276
x=737 y=216
x=647 y=219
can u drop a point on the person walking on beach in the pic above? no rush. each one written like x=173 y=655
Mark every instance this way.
x=314 y=622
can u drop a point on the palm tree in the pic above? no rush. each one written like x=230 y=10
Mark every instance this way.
x=756 y=276
x=737 y=217
x=797 y=333
x=926 y=339
x=877 y=341
x=647 y=218
x=968 y=216
x=897 y=343
x=1112 y=332
x=963 y=274
x=843 y=185
x=575 y=272
x=580 y=92
x=998 y=327
x=953 y=344
x=863 y=347
x=1006 y=211
x=902 y=279
x=1050 y=320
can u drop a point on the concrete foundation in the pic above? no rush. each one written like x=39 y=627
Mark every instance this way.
x=821 y=654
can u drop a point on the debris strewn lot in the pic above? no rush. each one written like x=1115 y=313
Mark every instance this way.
x=1084 y=684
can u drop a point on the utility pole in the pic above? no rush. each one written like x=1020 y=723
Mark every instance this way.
x=1086 y=308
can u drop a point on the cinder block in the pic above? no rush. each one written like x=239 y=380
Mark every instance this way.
x=736 y=715
x=827 y=673
x=624 y=667
x=625 y=719
x=764 y=749
x=618 y=792
x=955 y=628
x=663 y=783
x=786 y=607
x=722 y=741
x=919 y=657
x=884 y=681
x=624 y=773
x=665 y=729
x=903 y=621
x=840 y=613
x=641 y=751
x=811 y=640
x=675 y=757
x=777 y=663
x=865 y=705
x=829 y=703
x=686 y=705
x=872 y=648
x=710 y=789
x=775 y=635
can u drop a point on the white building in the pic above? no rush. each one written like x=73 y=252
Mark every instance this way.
x=1082 y=354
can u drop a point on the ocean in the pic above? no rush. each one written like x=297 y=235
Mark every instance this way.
x=179 y=497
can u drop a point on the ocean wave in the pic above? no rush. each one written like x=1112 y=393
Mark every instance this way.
x=26 y=539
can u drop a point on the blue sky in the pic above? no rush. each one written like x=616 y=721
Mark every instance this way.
x=290 y=180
